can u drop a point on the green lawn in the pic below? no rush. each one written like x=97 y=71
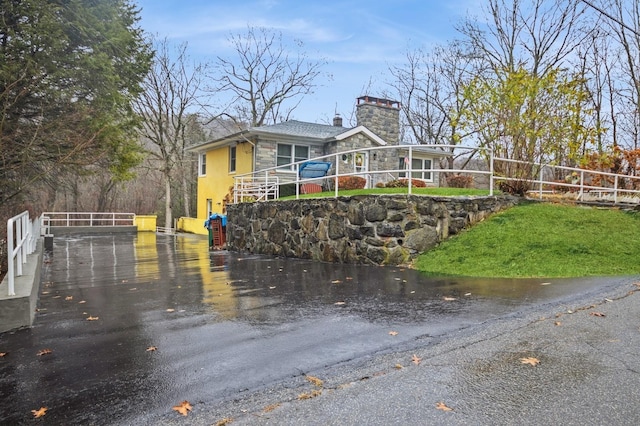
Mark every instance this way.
x=542 y=240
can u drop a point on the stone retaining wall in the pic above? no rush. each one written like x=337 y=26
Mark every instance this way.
x=365 y=229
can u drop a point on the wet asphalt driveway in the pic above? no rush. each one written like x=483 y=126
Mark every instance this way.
x=129 y=326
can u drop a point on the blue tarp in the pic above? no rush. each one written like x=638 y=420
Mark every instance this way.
x=313 y=169
x=214 y=217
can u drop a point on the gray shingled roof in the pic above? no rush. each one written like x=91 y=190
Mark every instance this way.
x=302 y=129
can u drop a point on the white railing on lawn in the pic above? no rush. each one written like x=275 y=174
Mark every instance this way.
x=22 y=240
x=250 y=184
x=88 y=219
x=580 y=184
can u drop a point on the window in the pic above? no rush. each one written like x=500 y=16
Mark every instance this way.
x=209 y=207
x=232 y=159
x=417 y=164
x=287 y=154
x=202 y=165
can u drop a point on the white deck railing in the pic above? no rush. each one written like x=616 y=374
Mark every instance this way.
x=88 y=219
x=585 y=185
x=22 y=239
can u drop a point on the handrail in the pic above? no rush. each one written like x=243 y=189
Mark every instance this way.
x=584 y=184
x=22 y=236
x=89 y=219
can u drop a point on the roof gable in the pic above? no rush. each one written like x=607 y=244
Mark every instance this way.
x=361 y=129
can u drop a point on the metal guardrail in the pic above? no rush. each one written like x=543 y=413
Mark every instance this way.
x=22 y=239
x=165 y=230
x=88 y=219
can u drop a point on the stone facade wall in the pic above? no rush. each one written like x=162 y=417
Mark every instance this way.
x=366 y=229
x=382 y=120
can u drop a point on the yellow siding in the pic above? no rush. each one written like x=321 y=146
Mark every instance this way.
x=191 y=225
x=215 y=185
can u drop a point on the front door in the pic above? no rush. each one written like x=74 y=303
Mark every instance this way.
x=361 y=165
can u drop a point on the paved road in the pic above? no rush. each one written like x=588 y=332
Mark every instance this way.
x=134 y=325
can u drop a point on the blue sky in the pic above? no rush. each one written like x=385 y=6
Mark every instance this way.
x=358 y=38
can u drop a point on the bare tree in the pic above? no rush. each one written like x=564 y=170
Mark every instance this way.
x=266 y=81
x=429 y=87
x=626 y=28
x=536 y=35
x=172 y=92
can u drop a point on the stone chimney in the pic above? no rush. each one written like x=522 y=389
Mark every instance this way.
x=337 y=120
x=381 y=116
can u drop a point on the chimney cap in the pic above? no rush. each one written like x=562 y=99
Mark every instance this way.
x=378 y=101
x=337 y=120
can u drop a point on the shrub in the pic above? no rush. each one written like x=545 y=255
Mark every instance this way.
x=404 y=183
x=460 y=181
x=515 y=187
x=287 y=189
x=351 y=182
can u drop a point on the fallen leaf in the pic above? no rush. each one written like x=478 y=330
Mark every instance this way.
x=449 y=299
x=545 y=284
x=270 y=408
x=467 y=294
x=413 y=291
x=56 y=297
x=314 y=381
x=183 y=408
x=152 y=349
x=125 y=281
x=348 y=278
x=171 y=310
x=90 y=318
x=224 y=421
x=82 y=301
x=45 y=292
x=608 y=300
x=310 y=395
x=272 y=287
x=416 y=359
x=597 y=314
x=393 y=333
x=443 y=407
x=3 y=354
x=530 y=360
x=39 y=413
x=134 y=288
x=340 y=303
x=68 y=298
x=336 y=282
x=398 y=366
x=557 y=323
x=44 y=352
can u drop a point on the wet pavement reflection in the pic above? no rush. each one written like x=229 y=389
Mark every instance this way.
x=137 y=323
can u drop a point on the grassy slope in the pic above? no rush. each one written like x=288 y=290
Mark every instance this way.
x=542 y=240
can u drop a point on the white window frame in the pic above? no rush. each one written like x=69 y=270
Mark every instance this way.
x=202 y=164
x=426 y=176
x=292 y=158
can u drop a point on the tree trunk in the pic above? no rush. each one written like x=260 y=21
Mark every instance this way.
x=186 y=194
x=168 y=220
